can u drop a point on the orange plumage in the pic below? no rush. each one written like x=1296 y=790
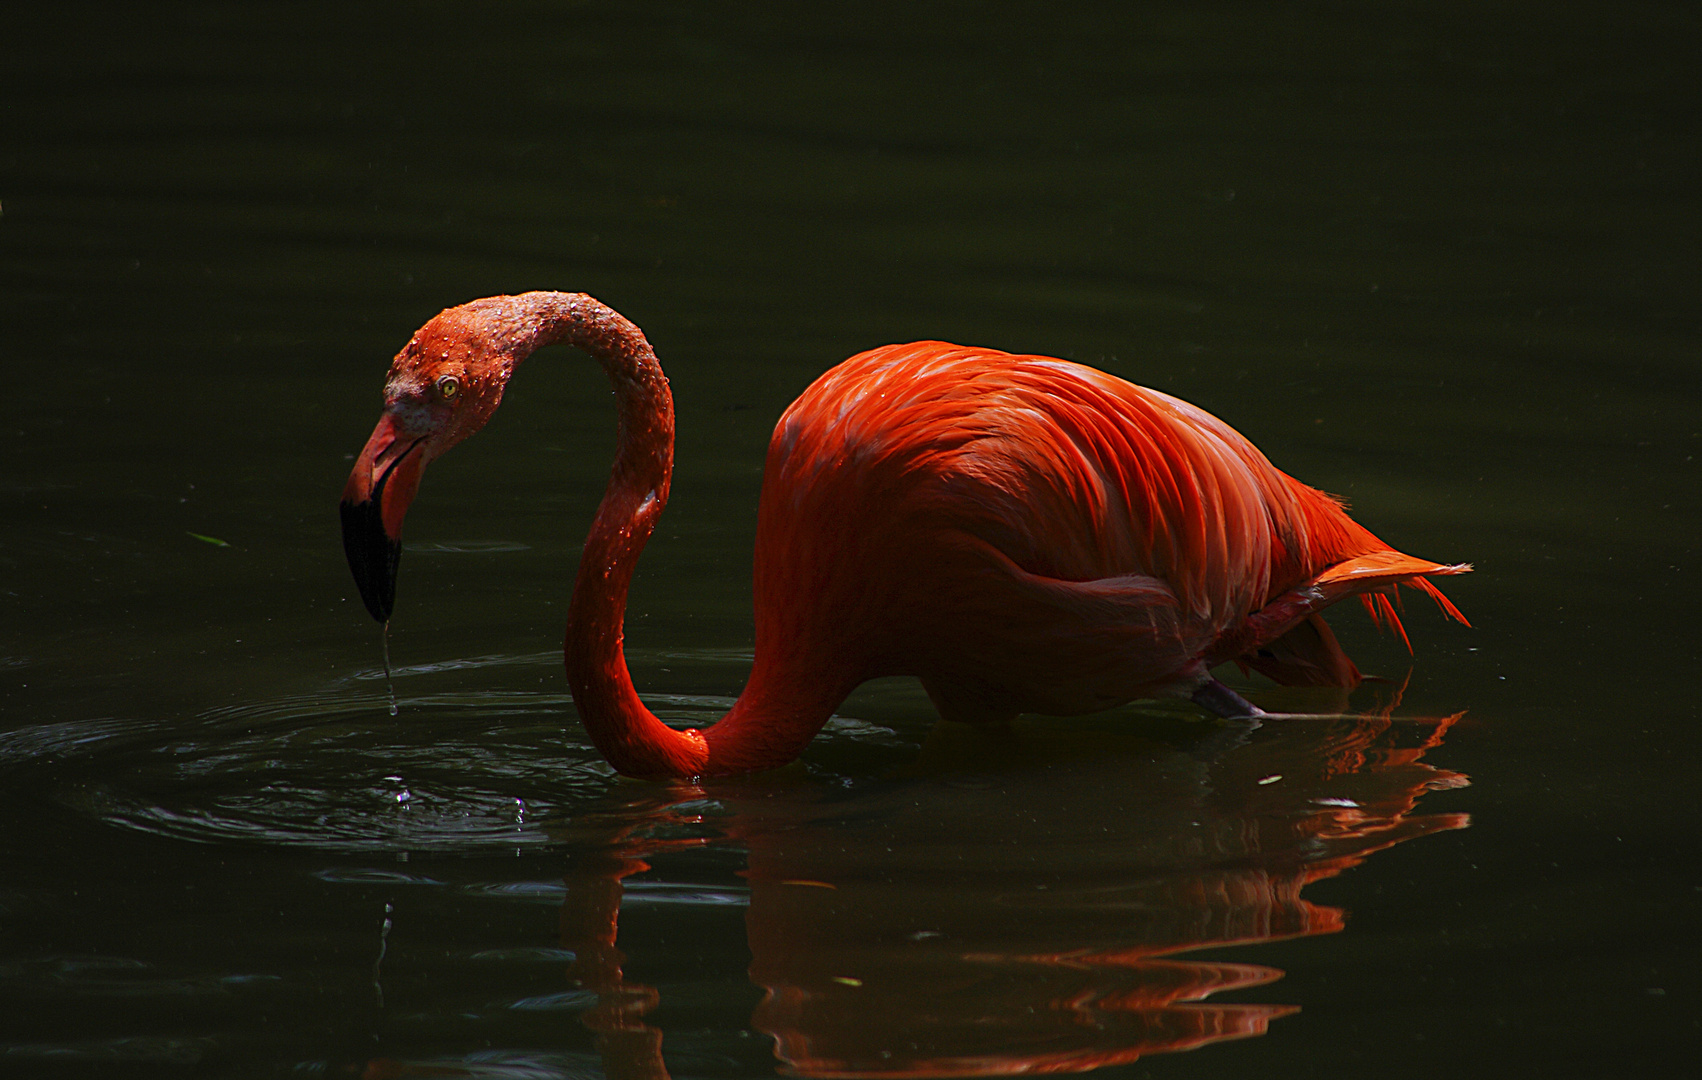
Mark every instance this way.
x=1032 y=535
x=1023 y=533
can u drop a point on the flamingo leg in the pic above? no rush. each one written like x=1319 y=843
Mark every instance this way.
x=1220 y=700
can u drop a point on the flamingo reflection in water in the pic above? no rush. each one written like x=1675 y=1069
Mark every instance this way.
x=1034 y=915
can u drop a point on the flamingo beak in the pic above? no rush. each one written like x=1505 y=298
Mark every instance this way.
x=381 y=487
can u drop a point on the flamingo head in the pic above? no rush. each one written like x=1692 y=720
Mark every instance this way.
x=441 y=389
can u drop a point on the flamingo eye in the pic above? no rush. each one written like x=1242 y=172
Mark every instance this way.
x=448 y=387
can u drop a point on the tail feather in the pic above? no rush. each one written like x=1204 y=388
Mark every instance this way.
x=1447 y=606
x=1381 y=575
x=1373 y=577
x=1383 y=613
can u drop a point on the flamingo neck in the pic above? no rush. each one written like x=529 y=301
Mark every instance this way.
x=761 y=731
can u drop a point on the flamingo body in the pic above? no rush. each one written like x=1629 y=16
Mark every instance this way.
x=1023 y=533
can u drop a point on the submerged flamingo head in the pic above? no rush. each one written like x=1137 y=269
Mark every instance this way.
x=442 y=388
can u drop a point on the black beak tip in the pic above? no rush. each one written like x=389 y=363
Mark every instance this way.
x=373 y=556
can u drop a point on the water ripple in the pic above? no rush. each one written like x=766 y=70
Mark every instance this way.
x=457 y=772
x=673 y=892
x=465 y=547
x=365 y=875
x=571 y=1000
x=144 y=1050
x=501 y=1065
x=531 y=892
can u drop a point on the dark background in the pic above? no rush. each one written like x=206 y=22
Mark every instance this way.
x=1440 y=259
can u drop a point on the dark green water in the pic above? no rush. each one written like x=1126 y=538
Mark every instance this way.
x=1440 y=260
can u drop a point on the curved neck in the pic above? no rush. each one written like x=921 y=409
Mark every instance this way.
x=762 y=730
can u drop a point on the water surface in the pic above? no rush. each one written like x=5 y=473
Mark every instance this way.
x=1441 y=261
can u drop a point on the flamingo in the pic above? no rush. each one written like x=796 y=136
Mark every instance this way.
x=1025 y=534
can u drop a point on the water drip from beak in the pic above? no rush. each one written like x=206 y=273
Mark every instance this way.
x=389 y=680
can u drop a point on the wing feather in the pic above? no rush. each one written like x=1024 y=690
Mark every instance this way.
x=1073 y=475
